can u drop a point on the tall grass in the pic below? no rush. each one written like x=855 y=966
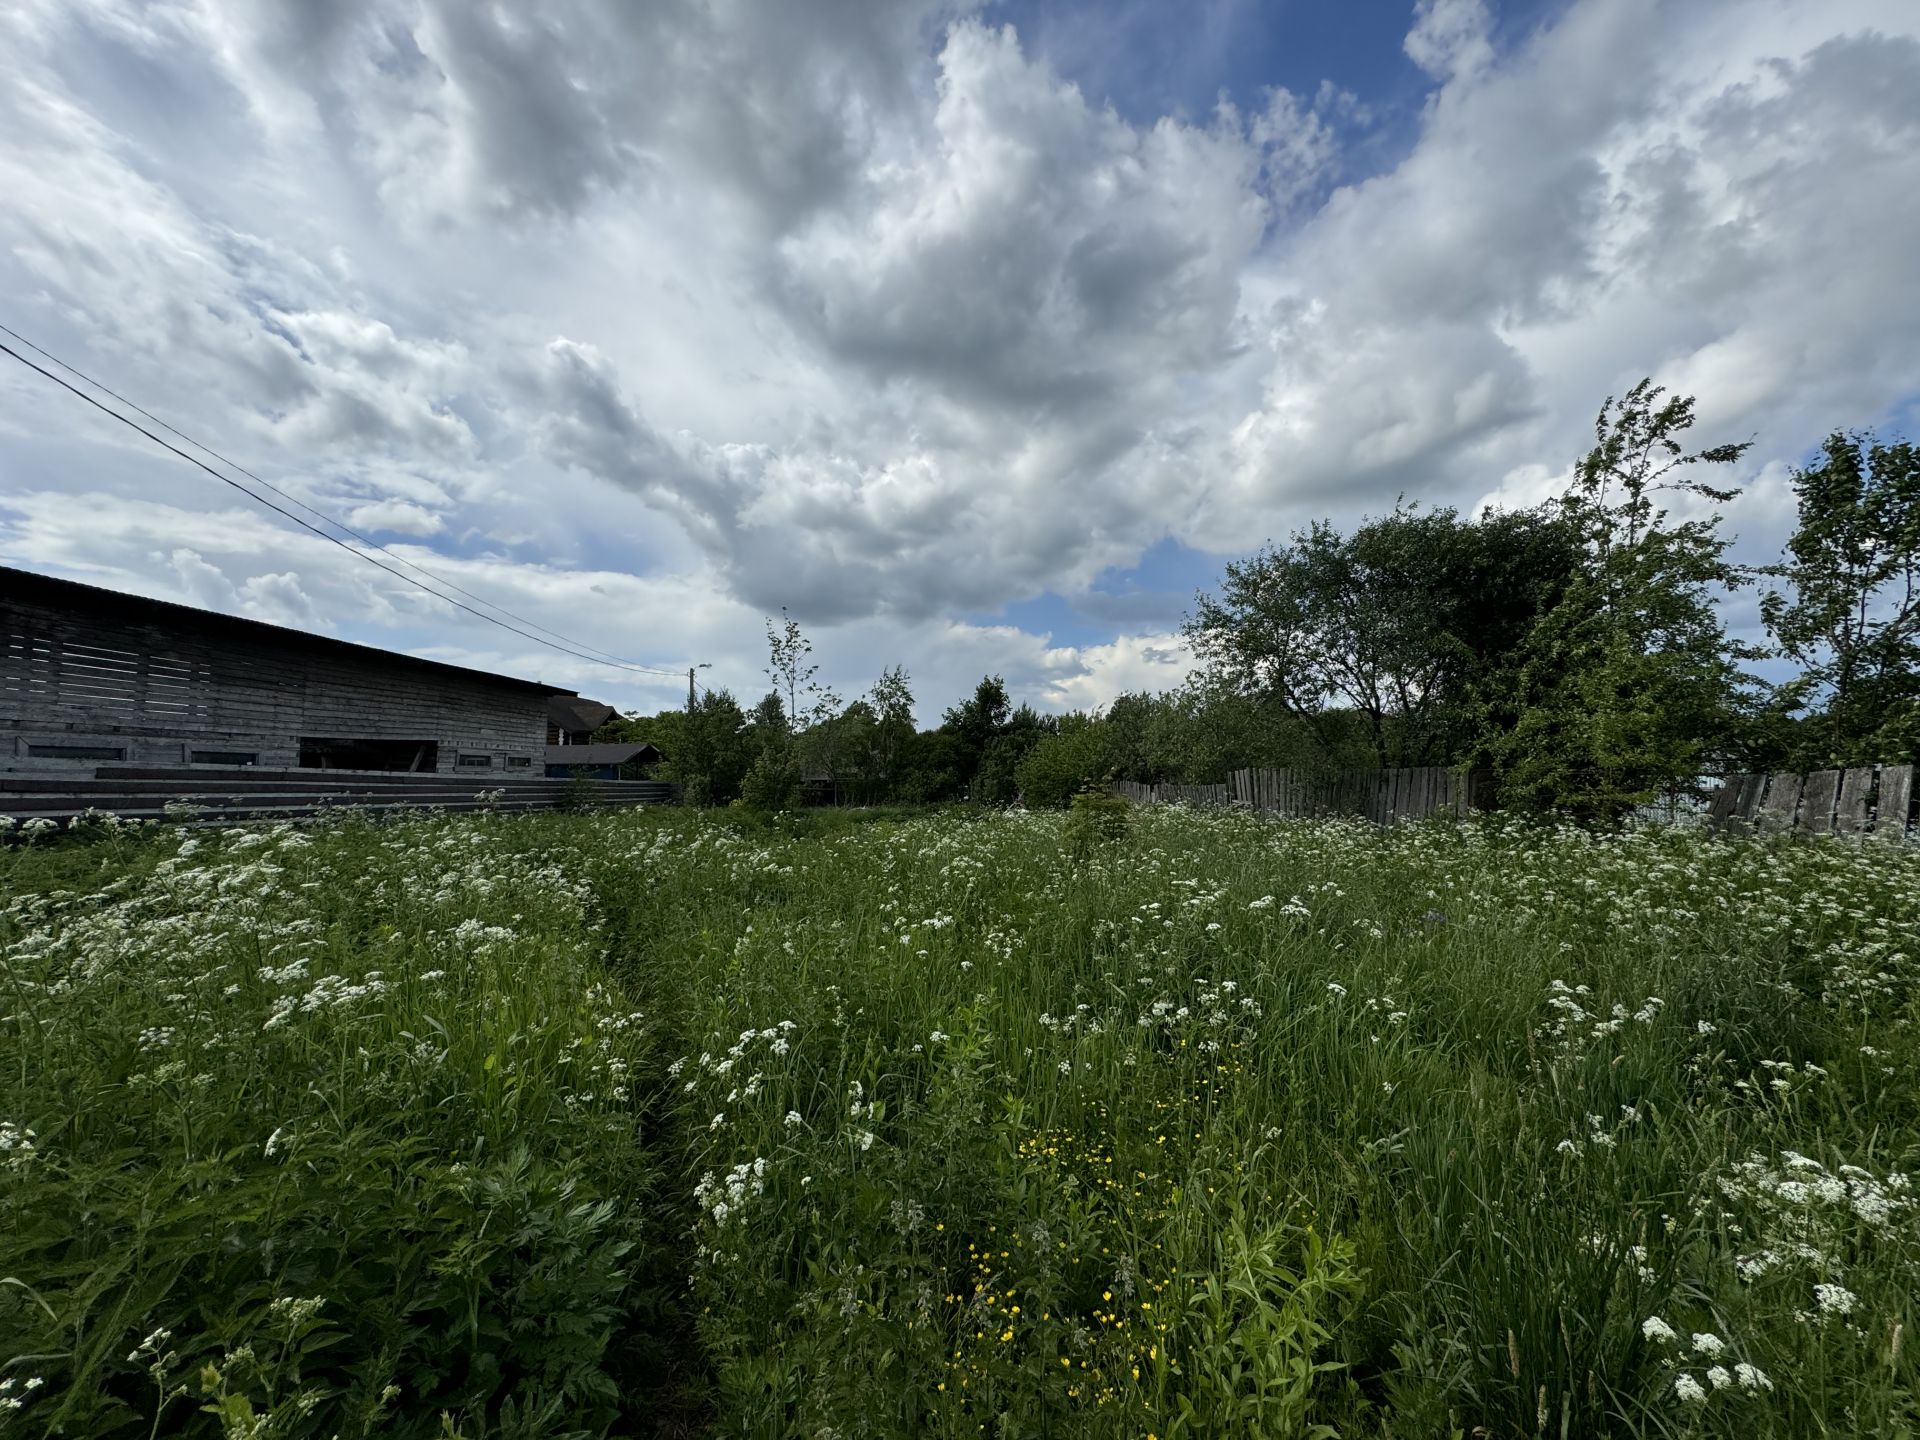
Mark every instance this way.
x=961 y=1125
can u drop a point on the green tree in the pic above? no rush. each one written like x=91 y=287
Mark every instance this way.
x=843 y=749
x=772 y=774
x=892 y=701
x=995 y=782
x=1401 y=625
x=712 y=754
x=1848 y=607
x=934 y=765
x=789 y=665
x=1628 y=686
x=974 y=723
x=1060 y=765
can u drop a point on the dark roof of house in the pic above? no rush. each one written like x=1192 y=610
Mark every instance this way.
x=642 y=753
x=118 y=607
x=571 y=712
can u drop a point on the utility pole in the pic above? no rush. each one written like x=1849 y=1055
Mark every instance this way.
x=689 y=689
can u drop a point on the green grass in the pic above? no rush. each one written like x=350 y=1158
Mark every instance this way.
x=957 y=1124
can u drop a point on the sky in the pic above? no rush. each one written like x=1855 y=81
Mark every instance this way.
x=977 y=334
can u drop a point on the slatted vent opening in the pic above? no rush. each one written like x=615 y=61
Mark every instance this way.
x=40 y=672
x=77 y=752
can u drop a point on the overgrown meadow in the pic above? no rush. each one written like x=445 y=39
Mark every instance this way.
x=955 y=1125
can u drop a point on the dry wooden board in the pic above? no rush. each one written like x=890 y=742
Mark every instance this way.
x=1751 y=789
x=1816 y=802
x=1895 y=798
x=1850 y=813
x=1724 y=799
x=1782 y=801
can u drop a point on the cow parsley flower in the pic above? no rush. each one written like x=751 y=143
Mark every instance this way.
x=1834 y=1299
x=1688 y=1389
x=1654 y=1328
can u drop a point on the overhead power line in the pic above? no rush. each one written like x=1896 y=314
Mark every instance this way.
x=558 y=642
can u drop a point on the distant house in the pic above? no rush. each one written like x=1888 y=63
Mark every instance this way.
x=90 y=676
x=598 y=762
x=572 y=720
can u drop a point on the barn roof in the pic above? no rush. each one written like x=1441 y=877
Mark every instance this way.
x=574 y=712
x=123 y=609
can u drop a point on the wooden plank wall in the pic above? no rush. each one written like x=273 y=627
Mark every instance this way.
x=164 y=793
x=155 y=692
x=1379 y=795
x=1864 y=800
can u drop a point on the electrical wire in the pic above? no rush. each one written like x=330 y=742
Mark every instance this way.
x=72 y=369
x=306 y=525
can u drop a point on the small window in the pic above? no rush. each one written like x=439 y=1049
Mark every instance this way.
x=476 y=762
x=519 y=762
x=77 y=752
x=223 y=757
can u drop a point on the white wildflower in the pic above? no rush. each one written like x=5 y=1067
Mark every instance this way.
x=1835 y=1299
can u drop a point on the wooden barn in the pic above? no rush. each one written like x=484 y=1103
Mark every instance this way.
x=91 y=676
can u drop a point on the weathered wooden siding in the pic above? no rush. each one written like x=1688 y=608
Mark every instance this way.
x=135 y=792
x=1382 y=796
x=158 y=691
x=1865 y=800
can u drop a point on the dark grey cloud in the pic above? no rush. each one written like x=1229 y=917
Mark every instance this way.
x=860 y=308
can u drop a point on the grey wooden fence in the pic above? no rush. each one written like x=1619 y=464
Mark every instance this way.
x=1382 y=796
x=1867 y=800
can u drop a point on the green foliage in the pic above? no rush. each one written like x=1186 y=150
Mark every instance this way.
x=1070 y=759
x=1398 y=624
x=333 y=1137
x=716 y=752
x=996 y=781
x=772 y=781
x=891 y=700
x=1096 y=819
x=1258 y=1324
x=1848 y=609
x=1627 y=686
x=794 y=676
x=579 y=792
x=770 y=1125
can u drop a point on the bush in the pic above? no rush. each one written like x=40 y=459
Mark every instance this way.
x=771 y=782
x=1061 y=764
x=1096 y=818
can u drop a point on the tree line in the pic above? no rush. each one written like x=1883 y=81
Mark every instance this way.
x=1576 y=650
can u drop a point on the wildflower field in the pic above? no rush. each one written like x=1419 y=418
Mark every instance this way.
x=952 y=1125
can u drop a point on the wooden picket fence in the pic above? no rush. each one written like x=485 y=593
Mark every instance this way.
x=1866 y=800
x=1381 y=796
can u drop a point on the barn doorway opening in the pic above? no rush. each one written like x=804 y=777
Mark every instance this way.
x=333 y=754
